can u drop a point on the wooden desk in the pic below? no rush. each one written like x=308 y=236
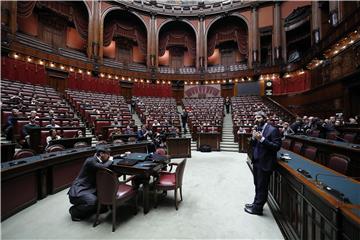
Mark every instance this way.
x=69 y=142
x=35 y=177
x=304 y=208
x=326 y=147
x=7 y=151
x=179 y=147
x=143 y=170
x=244 y=142
x=212 y=139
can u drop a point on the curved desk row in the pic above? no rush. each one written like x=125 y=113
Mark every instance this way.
x=26 y=180
x=326 y=147
x=311 y=201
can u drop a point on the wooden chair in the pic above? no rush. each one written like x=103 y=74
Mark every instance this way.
x=297 y=147
x=349 y=137
x=55 y=148
x=338 y=163
x=23 y=153
x=310 y=152
x=80 y=145
x=112 y=192
x=118 y=141
x=286 y=143
x=168 y=180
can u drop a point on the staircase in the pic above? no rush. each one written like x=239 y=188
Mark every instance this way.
x=136 y=118
x=227 y=144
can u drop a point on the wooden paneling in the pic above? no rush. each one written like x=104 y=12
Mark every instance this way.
x=319 y=102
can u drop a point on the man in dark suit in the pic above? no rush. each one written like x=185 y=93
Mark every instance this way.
x=266 y=141
x=82 y=193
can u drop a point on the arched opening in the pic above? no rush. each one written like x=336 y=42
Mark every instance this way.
x=125 y=38
x=227 y=43
x=177 y=47
x=59 y=24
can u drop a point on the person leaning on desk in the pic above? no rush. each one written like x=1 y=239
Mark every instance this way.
x=82 y=193
x=265 y=141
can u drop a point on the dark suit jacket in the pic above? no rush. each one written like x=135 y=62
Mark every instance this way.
x=85 y=182
x=268 y=148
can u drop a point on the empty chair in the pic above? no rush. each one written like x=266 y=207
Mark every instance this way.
x=338 y=163
x=80 y=145
x=23 y=153
x=55 y=148
x=297 y=147
x=310 y=152
x=315 y=133
x=349 y=137
x=168 y=180
x=112 y=192
x=331 y=135
x=286 y=143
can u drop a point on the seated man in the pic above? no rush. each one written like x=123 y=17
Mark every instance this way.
x=25 y=131
x=143 y=133
x=52 y=124
x=82 y=193
x=115 y=122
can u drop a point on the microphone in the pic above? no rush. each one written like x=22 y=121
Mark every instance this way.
x=336 y=193
x=341 y=139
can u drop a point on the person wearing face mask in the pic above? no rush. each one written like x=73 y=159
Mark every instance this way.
x=265 y=142
x=82 y=193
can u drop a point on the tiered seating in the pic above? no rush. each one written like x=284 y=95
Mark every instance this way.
x=216 y=69
x=167 y=70
x=244 y=107
x=162 y=111
x=41 y=103
x=205 y=114
x=187 y=70
x=100 y=110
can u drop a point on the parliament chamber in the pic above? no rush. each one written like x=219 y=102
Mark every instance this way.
x=184 y=79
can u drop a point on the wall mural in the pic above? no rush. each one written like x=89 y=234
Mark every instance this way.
x=202 y=91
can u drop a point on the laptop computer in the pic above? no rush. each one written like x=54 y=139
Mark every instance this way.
x=137 y=156
x=127 y=162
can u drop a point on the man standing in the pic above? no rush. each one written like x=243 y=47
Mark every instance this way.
x=184 y=118
x=266 y=141
x=82 y=193
x=227 y=105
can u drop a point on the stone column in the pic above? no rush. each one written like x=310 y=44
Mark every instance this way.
x=98 y=37
x=315 y=23
x=90 y=31
x=334 y=13
x=277 y=33
x=200 y=59
x=255 y=33
x=13 y=17
x=153 y=40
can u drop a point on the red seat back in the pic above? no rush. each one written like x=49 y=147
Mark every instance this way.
x=297 y=147
x=310 y=152
x=338 y=163
x=69 y=133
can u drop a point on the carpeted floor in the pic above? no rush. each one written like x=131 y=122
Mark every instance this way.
x=216 y=187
